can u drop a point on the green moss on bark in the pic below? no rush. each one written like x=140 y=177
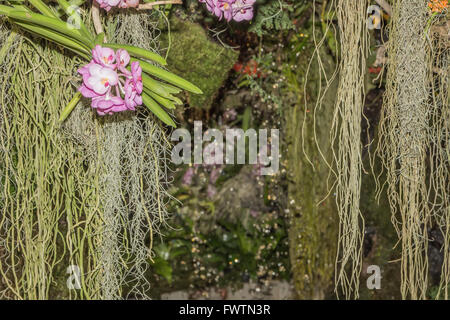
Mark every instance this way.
x=196 y=58
x=313 y=224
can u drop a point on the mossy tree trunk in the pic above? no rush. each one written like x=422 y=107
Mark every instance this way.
x=313 y=222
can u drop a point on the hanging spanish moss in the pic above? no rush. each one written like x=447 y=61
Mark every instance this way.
x=404 y=140
x=36 y=158
x=132 y=177
x=439 y=149
x=346 y=134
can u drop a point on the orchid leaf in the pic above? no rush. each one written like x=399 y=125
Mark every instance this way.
x=171 y=99
x=57 y=38
x=49 y=23
x=163 y=101
x=71 y=12
x=5 y=10
x=154 y=86
x=68 y=109
x=175 y=100
x=168 y=76
x=21 y=7
x=171 y=89
x=154 y=107
x=138 y=52
x=99 y=38
x=43 y=8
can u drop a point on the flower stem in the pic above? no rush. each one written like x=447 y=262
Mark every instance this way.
x=96 y=19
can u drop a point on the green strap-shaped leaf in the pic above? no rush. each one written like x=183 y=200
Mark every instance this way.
x=171 y=89
x=20 y=7
x=5 y=10
x=99 y=38
x=50 y=23
x=157 y=110
x=138 y=52
x=57 y=38
x=70 y=106
x=43 y=8
x=168 y=76
x=175 y=100
x=154 y=85
x=69 y=10
x=163 y=101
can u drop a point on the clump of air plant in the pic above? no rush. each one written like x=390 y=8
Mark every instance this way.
x=237 y=10
x=105 y=75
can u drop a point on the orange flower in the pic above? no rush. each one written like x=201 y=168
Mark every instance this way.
x=438 y=5
x=251 y=68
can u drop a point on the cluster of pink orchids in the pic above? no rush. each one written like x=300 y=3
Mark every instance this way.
x=108 y=4
x=111 y=86
x=237 y=10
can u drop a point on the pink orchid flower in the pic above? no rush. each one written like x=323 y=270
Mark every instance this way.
x=243 y=10
x=213 y=7
x=226 y=6
x=123 y=58
x=136 y=74
x=108 y=104
x=101 y=79
x=129 y=4
x=132 y=98
x=108 y=4
x=133 y=87
x=238 y=10
x=85 y=91
x=104 y=56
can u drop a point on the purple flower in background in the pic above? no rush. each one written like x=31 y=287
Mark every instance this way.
x=109 y=4
x=215 y=174
x=188 y=176
x=243 y=10
x=213 y=7
x=133 y=87
x=254 y=213
x=226 y=6
x=211 y=191
x=238 y=10
x=230 y=115
x=129 y=4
